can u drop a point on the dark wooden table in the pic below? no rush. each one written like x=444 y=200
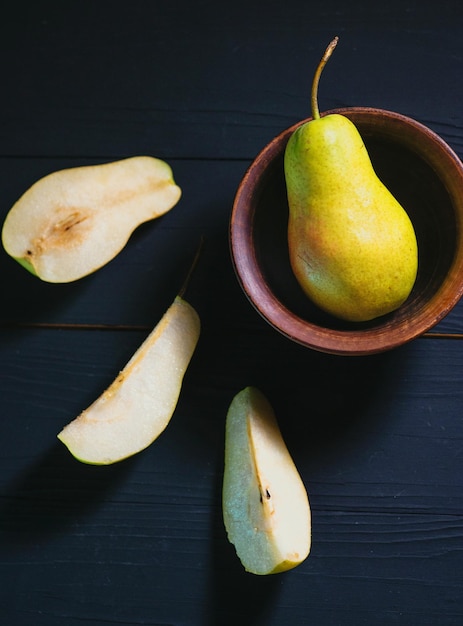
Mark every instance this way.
x=378 y=440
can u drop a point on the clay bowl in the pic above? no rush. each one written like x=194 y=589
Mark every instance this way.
x=424 y=174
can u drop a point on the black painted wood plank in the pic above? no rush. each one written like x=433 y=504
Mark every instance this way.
x=203 y=81
x=378 y=442
x=136 y=287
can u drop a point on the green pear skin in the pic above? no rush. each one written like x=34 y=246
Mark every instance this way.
x=352 y=246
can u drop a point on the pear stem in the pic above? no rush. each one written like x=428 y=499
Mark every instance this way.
x=192 y=268
x=328 y=52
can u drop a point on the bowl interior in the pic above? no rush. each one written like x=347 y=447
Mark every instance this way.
x=406 y=162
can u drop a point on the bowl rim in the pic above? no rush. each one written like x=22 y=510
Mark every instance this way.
x=351 y=341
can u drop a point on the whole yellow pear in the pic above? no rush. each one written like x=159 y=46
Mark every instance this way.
x=352 y=246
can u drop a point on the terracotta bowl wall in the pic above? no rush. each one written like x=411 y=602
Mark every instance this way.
x=424 y=174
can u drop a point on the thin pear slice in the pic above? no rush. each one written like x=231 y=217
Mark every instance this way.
x=73 y=221
x=265 y=505
x=139 y=404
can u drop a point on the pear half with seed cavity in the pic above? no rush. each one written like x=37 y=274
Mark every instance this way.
x=265 y=505
x=73 y=221
x=138 y=405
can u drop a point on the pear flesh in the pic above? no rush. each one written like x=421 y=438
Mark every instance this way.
x=352 y=246
x=73 y=221
x=265 y=505
x=138 y=405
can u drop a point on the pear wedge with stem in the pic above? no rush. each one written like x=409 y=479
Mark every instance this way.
x=137 y=407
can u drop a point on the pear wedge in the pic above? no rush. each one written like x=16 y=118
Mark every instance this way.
x=73 y=221
x=139 y=404
x=265 y=505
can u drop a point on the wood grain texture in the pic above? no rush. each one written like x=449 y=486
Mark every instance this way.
x=378 y=440
x=206 y=82
x=383 y=470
